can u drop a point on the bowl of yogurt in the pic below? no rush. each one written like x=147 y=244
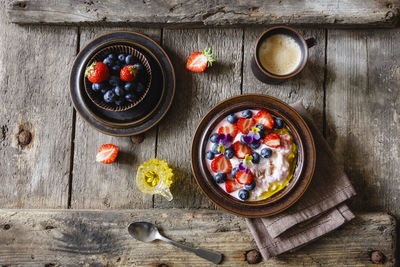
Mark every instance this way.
x=253 y=155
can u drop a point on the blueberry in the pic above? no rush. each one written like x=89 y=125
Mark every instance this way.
x=229 y=153
x=116 y=69
x=243 y=194
x=103 y=91
x=213 y=138
x=114 y=80
x=232 y=118
x=214 y=149
x=130 y=98
x=111 y=56
x=139 y=88
x=108 y=61
x=278 y=123
x=250 y=186
x=138 y=66
x=128 y=86
x=242 y=139
x=234 y=171
x=97 y=86
x=210 y=155
x=255 y=145
x=220 y=178
x=266 y=153
x=129 y=60
x=118 y=102
x=256 y=157
x=260 y=126
x=247 y=114
x=109 y=96
x=121 y=57
x=119 y=91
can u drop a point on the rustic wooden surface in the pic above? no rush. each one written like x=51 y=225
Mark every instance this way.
x=362 y=13
x=100 y=238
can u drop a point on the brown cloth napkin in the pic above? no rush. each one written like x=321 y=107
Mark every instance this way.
x=319 y=211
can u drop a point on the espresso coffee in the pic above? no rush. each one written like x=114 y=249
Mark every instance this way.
x=280 y=54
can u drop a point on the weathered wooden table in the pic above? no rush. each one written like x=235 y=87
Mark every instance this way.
x=75 y=211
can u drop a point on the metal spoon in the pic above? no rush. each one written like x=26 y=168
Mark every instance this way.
x=147 y=232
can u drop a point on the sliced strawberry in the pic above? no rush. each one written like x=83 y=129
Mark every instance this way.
x=231 y=129
x=244 y=178
x=107 y=153
x=232 y=186
x=241 y=150
x=272 y=140
x=263 y=117
x=221 y=164
x=199 y=61
x=245 y=125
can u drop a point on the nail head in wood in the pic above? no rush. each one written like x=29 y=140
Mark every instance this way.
x=7 y=226
x=253 y=256
x=377 y=257
x=24 y=138
x=137 y=139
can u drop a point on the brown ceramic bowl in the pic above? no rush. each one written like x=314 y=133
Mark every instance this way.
x=305 y=160
x=146 y=78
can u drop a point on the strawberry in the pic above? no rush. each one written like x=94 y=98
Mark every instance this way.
x=244 y=178
x=245 y=125
x=199 y=61
x=221 y=164
x=97 y=72
x=231 y=129
x=263 y=117
x=241 y=150
x=107 y=153
x=272 y=140
x=128 y=73
x=232 y=186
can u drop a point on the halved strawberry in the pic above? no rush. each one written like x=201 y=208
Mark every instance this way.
x=231 y=129
x=107 y=153
x=263 y=117
x=244 y=178
x=241 y=150
x=221 y=164
x=232 y=186
x=272 y=140
x=199 y=61
x=245 y=125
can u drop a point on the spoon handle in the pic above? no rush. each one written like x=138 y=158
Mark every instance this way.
x=214 y=257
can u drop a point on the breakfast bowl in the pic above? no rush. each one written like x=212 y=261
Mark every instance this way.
x=144 y=77
x=244 y=191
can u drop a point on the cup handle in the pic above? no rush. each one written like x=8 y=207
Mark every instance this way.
x=167 y=194
x=311 y=42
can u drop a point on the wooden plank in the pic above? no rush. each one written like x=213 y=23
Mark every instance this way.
x=100 y=186
x=307 y=87
x=100 y=238
x=196 y=93
x=363 y=110
x=356 y=13
x=35 y=64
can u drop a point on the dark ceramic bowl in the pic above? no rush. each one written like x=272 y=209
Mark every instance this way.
x=145 y=78
x=305 y=159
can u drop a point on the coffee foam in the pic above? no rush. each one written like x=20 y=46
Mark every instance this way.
x=280 y=54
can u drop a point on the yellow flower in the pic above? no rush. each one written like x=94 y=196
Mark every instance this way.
x=255 y=129
x=155 y=177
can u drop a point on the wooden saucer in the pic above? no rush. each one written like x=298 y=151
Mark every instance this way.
x=303 y=172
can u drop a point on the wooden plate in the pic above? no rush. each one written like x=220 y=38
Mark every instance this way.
x=145 y=114
x=303 y=172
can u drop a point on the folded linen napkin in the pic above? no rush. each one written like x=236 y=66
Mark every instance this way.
x=319 y=211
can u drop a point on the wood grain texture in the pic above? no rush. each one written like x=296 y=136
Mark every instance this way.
x=195 y=94
x=101 y=186
x=306 y=87
x=205 y=13
x=362 y=108
x=34 y=67
x=100 y=238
